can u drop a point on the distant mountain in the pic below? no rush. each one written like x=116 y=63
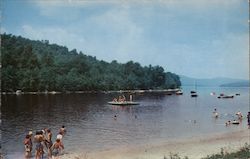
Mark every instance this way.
x=188 y=81
x=236 y=84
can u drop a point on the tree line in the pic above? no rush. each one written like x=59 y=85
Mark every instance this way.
x=30 y=65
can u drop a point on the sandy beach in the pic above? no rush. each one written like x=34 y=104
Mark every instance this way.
x=195 y=148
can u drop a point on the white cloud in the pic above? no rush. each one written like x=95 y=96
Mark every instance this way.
x=3 y=30
x=54 y=35
x=116 y=34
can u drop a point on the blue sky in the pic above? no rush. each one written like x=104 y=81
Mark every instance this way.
x=196 y=38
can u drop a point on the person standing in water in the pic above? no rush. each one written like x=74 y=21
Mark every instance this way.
x=56 y=148
x=216 y=115
x=248 y=120
x=31 y=143
x=49 y=142
x=62 y=130
x=39 y=146
x=27 y=146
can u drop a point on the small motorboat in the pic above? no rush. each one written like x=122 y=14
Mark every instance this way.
x=179 y=93
x=123 y=103
x=194 y=95
x=235 y=122
x=212 y=93
x=192 y=91
x=226 y=96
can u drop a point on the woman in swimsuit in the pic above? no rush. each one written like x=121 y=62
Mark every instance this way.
x=27 y=146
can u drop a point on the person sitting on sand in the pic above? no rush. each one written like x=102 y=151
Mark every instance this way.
x=56 y=148
x=215 y=113
x=248 y=120
x=27 y=146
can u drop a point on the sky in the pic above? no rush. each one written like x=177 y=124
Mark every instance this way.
x=195 y=38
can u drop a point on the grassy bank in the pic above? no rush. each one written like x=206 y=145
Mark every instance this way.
x=243 y=153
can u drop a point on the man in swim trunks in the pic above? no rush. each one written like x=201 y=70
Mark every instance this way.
x=38 y=139
x=49 y=142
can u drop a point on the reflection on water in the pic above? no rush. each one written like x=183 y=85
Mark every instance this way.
x=91 y=124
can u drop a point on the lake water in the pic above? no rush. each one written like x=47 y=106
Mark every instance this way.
x=91 y=125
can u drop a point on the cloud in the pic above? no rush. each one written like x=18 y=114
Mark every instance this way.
x=3 y=30
x=56 y=35
x=83 y=3
x=166 y=33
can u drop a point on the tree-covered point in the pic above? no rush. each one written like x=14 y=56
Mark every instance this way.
x=30 y=65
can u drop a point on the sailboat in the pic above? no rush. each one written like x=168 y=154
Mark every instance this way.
x=194 y=93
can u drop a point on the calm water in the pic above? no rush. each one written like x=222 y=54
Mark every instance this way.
x=91 y=126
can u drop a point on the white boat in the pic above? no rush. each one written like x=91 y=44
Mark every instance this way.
x=235 y=122
x=124 y=103
x=179 y=92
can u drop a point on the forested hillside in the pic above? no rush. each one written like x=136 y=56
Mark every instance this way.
x=30 y=65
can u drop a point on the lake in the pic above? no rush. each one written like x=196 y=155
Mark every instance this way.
x=91 y=125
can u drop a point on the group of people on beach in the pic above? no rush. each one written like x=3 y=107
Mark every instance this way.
x=235 y=121
x=43 y=143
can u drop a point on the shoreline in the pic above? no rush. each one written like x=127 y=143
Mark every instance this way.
x=100 y=91
x=194 y=147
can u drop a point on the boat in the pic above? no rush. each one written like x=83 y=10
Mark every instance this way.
x=124 y=103
x=226 y=96
x=212 y=93
x=179 y=92
x=235 y=122
x=194 y=95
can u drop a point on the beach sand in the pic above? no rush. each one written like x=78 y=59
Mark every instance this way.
x=194 y=148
